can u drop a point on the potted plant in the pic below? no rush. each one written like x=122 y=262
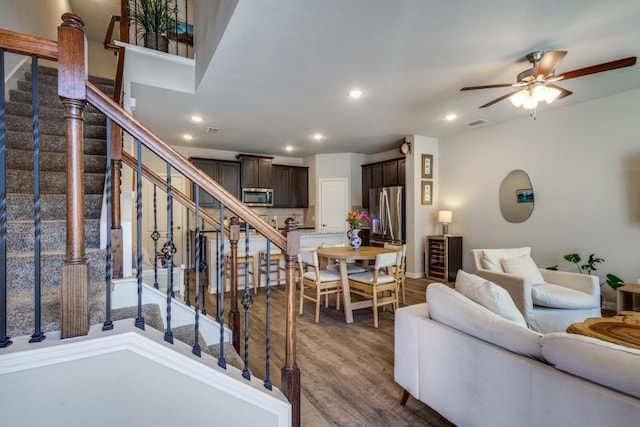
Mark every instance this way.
x=607 y=289
x=153 y=19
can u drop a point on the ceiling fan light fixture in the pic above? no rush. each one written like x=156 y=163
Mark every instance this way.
x=518 y=98
x=544 y=93
x=529 y=103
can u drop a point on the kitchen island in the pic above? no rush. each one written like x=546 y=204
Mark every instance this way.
x=309 y=238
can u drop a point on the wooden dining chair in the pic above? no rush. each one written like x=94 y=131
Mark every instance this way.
x=325 y=282
x=373 y=284
x=402 y=249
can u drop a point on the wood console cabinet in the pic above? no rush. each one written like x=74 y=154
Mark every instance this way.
x=443 y=257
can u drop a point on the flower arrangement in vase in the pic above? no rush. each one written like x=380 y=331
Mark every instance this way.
x=353 y=218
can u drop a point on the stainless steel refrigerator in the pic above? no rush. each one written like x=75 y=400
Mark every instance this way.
x=386 y=208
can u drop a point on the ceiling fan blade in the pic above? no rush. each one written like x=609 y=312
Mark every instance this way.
x=489 y=86
x=563 y=91
x=548 y=63
x=620 y=63
x=489 y=104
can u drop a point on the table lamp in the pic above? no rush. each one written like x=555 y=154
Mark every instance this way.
x=445 y=218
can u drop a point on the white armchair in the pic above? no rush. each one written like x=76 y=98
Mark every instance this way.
x=549 y=300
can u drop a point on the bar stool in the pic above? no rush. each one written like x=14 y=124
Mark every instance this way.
x=241 y=271
x=276 y=265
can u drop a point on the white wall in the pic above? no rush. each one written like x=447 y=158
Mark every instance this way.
x=420 y=219
x=102 y=62
x=34 y=17
x=584 y=165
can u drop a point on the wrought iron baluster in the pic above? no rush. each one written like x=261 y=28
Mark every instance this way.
x=5 y=340
x=196 y=346
x=247 y=302
x=108 y=324
x=37 y=289
x=155 y=236
x=203 y=267
x=188 y=284
x=217 y=281
x=169 y=250
x=139 y=318
x=221 y=361
x=267 y=380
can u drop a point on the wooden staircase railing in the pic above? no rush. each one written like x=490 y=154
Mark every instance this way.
x=75 y=91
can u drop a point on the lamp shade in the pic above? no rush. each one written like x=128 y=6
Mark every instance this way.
x=445 y=217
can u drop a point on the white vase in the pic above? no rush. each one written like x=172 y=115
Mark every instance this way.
x=354 y=239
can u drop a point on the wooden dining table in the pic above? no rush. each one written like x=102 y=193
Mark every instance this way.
x=343 y=255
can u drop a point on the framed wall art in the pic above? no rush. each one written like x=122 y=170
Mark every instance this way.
x=427 y=192
x=427 y=166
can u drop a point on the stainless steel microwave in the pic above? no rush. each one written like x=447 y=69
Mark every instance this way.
x=257 y=196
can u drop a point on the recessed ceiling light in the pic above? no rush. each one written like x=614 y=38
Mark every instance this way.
x=355 y=93
x=450 y=117
x=288 y=148
x=317 y=136
x=187 y=137
x=196 y=119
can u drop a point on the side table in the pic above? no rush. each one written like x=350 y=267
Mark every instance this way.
x=625 y=297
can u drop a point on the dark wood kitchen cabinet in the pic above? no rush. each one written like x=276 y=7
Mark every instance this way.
x=366 y=185
x=388 y=173
x=290 y=186
x=256 y=171
x=225 y=172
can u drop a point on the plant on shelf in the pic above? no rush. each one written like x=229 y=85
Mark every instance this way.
x=153 y=20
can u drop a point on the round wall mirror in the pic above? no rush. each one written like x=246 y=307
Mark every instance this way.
x=516 y=196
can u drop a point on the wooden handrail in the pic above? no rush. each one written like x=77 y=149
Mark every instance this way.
x=156 y=179
x=23 y=44
x=136 y=129
x=109 y=36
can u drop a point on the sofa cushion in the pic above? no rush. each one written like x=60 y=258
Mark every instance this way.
x=453 y=309
x=489 y=295
x=608 y=364
x=554 y=296
x=522 y=266
x=491 y=257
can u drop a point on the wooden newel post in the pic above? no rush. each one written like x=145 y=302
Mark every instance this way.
x=116 y=215
x=73 y=92
x=290 y=379
x=234 y=315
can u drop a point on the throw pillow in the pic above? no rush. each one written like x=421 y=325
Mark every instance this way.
x=450 y=308
x=522 y=266
x=491 y=257
x=489 y=295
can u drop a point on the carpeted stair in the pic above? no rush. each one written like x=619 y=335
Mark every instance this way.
x=20 y=215
x=20 y=203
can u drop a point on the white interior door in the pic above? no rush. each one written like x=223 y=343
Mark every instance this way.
x=179 y=239
x=334 y=204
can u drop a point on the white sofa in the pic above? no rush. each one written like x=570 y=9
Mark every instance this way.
x=549 y=300
x=478 y=369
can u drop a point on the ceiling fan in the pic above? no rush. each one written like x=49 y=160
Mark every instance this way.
x=536 y=84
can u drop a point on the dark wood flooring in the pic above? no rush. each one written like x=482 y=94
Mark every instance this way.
x=346 y=369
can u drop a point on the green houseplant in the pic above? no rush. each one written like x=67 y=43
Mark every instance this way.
x=607 y=289
x=153 y=19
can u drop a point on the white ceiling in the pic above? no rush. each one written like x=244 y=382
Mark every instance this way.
x=283 y=68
